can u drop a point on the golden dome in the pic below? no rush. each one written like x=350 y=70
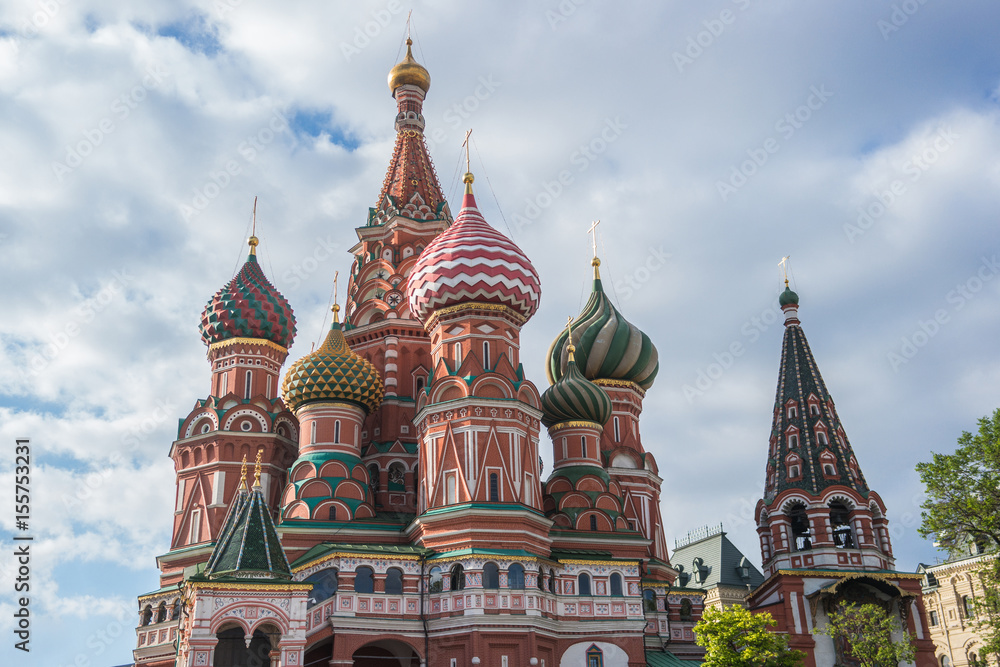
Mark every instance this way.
x=409 y=71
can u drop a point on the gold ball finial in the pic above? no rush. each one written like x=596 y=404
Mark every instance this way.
x=256 y=468
x=468 y=178
x=243 y=473
x=253 y=241
x=595 y=262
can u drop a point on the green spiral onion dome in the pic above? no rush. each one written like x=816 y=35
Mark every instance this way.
x=248 y=307
x=333 y=373
x=608 y=347
x=575 y=398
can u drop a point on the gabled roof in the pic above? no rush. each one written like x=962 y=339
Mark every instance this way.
x=719 y=560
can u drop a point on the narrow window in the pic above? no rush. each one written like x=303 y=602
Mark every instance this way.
x=541 y=580
x=491 y=576
x=458 y=355
x=486 y=354
x=450 y=491
x=420 y=384
x=649 y=600
x=268 y=395
x=457 y=577
x=793 y=440
x=618 y=433
x=967 y=607
x=793 y=472
x=364 y=581
x=494 y=487
x=933 y=618
x=828 y=469
x=436 y=580
x=595 y=657
x=685 y=609
x=333 y=513
x=336 y=431
x=616 y=584
x=225 y=384
x=593 y=522
x=814 y=409
x=821 y=438
x=394 y=581
x=552 y=581
x=583 y=445
x=584 y=582
x=249 y=378
x=312 y=433
x=195 y=527
x=792 y=412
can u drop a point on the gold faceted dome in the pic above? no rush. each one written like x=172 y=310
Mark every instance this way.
x=409 y=71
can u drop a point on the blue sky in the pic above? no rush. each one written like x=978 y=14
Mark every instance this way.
x=711 y=138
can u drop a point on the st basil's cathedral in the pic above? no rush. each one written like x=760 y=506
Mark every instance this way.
x=384 y=504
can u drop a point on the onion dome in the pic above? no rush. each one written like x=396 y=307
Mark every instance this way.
x=608 y=347
x=788 y=297
x=248 y=307
x=409 y=71
x=575 y=398
x=333 y=373
x=471 y=262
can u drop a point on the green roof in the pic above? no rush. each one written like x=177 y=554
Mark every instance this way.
x=248 y=544
x=719 y=559
x=664 y=659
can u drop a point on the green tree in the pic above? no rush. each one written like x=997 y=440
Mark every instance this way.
x=963 y=508
x=735 y=637
x=867 y=630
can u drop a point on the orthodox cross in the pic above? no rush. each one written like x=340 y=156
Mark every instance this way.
x=593 y=232
x=465 y=145
x=784 y=267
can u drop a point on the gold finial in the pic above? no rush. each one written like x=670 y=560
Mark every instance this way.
x=595 y=262
x=784 y=268
x=243 y=474
x=253 y=241
x=256 y=469
x=570 y=348
x=336 y=306
x=468 y=178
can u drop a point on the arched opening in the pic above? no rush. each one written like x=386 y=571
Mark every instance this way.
x=649 y=600
x=161 y=612
x=397 y=476
x=685 y=609
x=800 y=527
x=336 y=431
x=394 y=581
x=386 y=653
x=584 y=584
x=364 y=580
x=436 y=584
x=494 y=487
x=552 y=581
x=491 y=576
x=616 y=584
x=840 y=525
x=232 y=649
x=515 y=576
x=324 y=586
x=147 y=615
x=457 y=577
x=541 y=580
x=618 y=433
x=176 y=612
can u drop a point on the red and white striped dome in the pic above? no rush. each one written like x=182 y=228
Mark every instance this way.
x=472 y=262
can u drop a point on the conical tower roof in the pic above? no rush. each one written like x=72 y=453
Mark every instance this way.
x=248 y=545
x=803 y=408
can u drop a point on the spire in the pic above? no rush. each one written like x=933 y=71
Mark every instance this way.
x=596 y=263
x=809 y=449
x=248 y=545
x=253 y=240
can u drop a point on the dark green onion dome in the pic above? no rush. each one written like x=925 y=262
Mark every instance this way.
x=788 y=298
x=608 y=347
x=248 y=307
x=333 y=373
x=575 y=398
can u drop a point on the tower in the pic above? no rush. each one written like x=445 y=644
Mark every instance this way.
x=823 y=532
x=410 y=211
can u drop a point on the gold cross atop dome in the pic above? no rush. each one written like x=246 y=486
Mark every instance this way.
x=569 y=332
x=253 y=240
x=595 y=262
x=784 y=267
x=468 y=178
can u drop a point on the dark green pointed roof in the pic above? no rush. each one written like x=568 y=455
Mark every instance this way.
x=608 y=347
x=248 y=545
x=575 y=398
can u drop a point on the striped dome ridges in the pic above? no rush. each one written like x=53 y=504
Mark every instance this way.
x=333 y=373
x=472 y=262
x=575 y=398
x=248 y=307
x=608 y=347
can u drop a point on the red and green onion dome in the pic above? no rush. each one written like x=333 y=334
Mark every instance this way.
x=248 y=307
x=471 y=262
x=608 y=347
x=333 y=373
x=574 y=398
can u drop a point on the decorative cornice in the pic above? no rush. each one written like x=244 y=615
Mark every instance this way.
x=349 y=554
x=247 y=341
x=225 y=586
x=475 y=305
x=575 y=424
x=622 y=384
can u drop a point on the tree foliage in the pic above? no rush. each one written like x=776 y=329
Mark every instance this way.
x=736 y=637
x=963 y=490
x=867 y=631
x=963 y=509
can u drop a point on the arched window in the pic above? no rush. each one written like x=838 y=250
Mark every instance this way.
x=595 y=656
x=618 y=433
x=800 y=527
x=451 y=492
x=813 y=409
x=967 y=609
x=249 y=385
x=494 y=488
x=584 y=583
x=792 y=412
x=552 y=581
x=457 y=577
x=176 y=612
x=541 y=579
x=821 y=438
x=793 y=440
x=332 y=513
x=268 y=394
x=312 y=433
x=840 y=525
x=336 y=431
x=616 y=584
x=364 y=581
x=486 y=354
x=515 y=576
x=458 y=355
x=649 y=600
x=225 y=384
x=324 y=586
x=161 y=612
x=436 y=580
x=583 y=446
x=685 y=609
x=420 y=384
x=491 y=576
x=394 y=581
x=593 y=522
x=147 y=615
